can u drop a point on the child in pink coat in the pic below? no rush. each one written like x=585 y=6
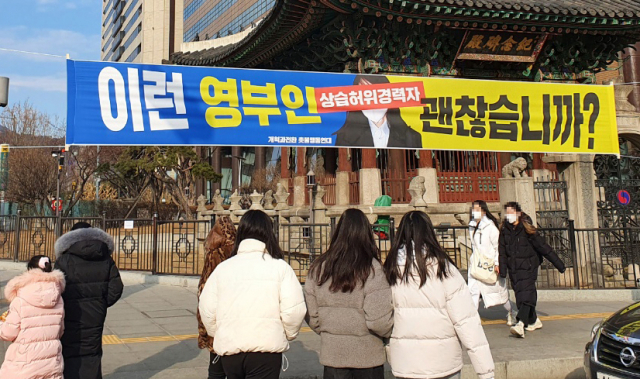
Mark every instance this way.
x=34 y=323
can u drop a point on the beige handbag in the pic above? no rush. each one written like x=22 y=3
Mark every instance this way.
x=481 y=267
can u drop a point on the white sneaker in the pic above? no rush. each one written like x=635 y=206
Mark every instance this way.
x=536 y=326
x=510 y=319
x=518 y=330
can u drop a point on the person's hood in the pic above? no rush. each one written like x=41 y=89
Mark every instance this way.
x=36 y=287
x=484 y=222
x=89 y=243
x=222 y=237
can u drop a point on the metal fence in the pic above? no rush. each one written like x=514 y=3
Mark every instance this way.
x=595 y=258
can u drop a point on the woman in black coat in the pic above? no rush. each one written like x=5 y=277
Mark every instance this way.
x=93 y=285
x=521 y=251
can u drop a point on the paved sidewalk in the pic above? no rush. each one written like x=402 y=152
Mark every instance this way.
x=151 y=332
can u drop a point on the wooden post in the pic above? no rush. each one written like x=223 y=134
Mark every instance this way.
x=300 y=158
x=330 y=156
x=236 y=151
x=261 y=158
x=426 y=159
x=538 y=164
x=216 y=163
x=369 y=158
x=344 y=165
x=284 y=163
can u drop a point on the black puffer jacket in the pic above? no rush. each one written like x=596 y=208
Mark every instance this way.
x=521 y=254
x=93 y=285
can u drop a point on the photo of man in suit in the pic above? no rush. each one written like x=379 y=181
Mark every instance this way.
x=379 y=128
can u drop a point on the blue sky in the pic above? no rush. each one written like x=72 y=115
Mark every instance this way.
x=46 y=26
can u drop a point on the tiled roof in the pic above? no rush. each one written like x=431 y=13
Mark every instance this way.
x=293 y=20
x=593 y=8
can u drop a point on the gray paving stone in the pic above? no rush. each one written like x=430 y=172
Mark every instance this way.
x=170 y=313
x=132 y=330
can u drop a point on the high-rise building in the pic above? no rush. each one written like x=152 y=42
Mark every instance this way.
x=207 y=19
x=141 y=31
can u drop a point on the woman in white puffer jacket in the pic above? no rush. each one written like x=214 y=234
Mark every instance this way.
x=484 y=233
x=252 y=304
x=433 y=309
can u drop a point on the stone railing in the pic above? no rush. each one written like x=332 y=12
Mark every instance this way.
x=277 y=204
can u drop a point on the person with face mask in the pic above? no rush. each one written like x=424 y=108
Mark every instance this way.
x=483 y=229
x=521 y=251
x=379 y=128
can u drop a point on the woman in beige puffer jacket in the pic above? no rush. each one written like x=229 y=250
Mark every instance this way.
x=433 y=309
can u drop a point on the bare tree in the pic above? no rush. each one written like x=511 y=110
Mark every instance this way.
x=32 y=171
x=171 y=170
x=83 y=167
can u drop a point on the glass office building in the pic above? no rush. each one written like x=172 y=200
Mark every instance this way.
x=208 y=19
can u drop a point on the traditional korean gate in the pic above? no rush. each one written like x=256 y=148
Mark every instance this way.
x=552 y=214
x=618 y=191
x=552 y=206
x=618 y=186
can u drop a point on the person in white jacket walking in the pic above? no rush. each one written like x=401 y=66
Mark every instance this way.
x=485 y=235
x=433 y=310
x=252 y=304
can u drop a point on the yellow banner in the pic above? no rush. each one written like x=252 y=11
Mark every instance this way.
x=462 y=114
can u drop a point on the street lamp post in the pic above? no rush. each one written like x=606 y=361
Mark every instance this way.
x=4 y=91
x=59 y=154
x=240 y=160
x=311 y=183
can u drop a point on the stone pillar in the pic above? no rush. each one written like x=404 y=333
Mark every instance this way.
x=521 y=191
x=216 y=163
x=236 y=151
x=581 y=188
x=582 y=198
x=300 y=179
x=281 y=197
x=235 y=201
x=299 y=191
x=342 y=178
x=342 y=188
x=370 y=179
x=256 y=199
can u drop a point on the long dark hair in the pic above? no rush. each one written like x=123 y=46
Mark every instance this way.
x=485 y=208
x=416 y=234
x=257 y=225
x=349 y=260
x=524 y=218
x=357 y=119
x=34 y=262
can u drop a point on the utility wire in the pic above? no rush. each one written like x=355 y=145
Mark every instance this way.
x=32 y=53
x=35 y=147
